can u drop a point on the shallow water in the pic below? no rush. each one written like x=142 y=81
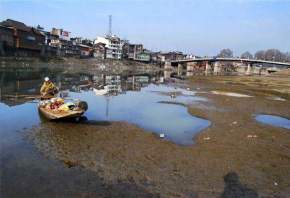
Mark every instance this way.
x=25 y=172
x=276 y=121
x=137 y=104
x=143 y=109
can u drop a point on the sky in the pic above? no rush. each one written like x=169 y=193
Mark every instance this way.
x=200 y=27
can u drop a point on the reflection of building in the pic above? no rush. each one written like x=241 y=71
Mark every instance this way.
x=135 y=83
x=113 y=83
x=117 y=84
x=113 y=79
x=19 y=86
x=22 y=84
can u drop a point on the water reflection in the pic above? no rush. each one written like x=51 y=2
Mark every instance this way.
x=143 y=99
x=276 y=121
x=144 y=109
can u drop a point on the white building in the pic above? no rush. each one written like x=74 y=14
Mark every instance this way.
x=113 y=46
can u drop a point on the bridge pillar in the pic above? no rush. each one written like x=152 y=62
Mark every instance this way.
x=167 y=74
x=167 y=65
x=207 y=68
x=189 y=67
x=216 y=68
x=179 y=69
x=249 y=69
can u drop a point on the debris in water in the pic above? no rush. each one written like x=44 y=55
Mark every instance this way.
x=69 y=164
x=173 y=95
x=232 y=94
x=252 y=136
x=206 y=138
x=275 y=184
x=235 y=122
x=162 y=135
x=277 y=98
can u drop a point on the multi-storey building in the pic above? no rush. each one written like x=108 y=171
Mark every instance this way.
x=113 y=44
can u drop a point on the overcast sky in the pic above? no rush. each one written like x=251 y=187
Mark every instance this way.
x=201 y=27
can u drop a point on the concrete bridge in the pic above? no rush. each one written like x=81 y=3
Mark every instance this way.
x=214 y=64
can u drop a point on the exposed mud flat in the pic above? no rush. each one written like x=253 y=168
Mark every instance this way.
x=236 y=155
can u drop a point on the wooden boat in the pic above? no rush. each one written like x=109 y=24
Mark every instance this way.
x=57 y=115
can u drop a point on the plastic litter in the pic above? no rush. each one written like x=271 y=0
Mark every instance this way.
x=252 y=136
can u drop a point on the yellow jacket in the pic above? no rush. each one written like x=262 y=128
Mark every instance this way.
x=47 y=87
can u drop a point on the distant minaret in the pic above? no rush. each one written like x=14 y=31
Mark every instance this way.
x=110 y=26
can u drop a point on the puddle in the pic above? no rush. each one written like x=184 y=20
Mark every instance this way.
x=276 y=121
x=232 y=94
x=277 y=98
x=149 y=110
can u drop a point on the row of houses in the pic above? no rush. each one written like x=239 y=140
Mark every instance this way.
x=18 y=39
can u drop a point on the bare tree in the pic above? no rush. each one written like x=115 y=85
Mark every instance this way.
x=225 y=53
x=287 y=54
x=273 y=55
x=260 y=55
x=247 y=55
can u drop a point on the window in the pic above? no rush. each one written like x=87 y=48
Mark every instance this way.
x=31 y=38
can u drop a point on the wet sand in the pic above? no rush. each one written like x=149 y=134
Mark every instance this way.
x=235 y=156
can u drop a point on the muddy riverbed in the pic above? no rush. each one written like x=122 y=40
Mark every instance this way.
x=110 y=155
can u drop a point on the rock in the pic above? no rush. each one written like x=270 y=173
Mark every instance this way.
x=69 y=164
x=252 y=136
x=206 y=138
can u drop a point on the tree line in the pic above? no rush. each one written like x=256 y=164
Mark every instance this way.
x=269 y=55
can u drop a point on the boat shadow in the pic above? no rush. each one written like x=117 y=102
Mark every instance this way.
x=83 y=120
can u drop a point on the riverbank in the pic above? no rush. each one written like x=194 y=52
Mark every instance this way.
x=234 y=156
x=75 y=65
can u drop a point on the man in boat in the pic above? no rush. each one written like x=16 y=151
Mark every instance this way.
x=48 y=89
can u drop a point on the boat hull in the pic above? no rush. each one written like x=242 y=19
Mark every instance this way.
x=50 y=115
